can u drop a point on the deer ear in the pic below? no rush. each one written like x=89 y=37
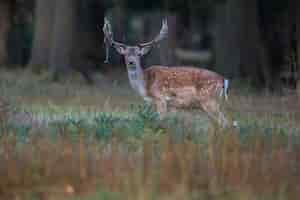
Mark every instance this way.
x=120 y=49
x=145 y=50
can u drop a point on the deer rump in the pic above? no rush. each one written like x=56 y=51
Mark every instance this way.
x=183 y=87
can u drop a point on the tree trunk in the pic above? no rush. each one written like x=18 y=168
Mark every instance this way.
x=240 y=49
x=44 y=19
x=233 y=31
x=297 y=6
x=5 y=24
x=61 y=44
x=227 y=41
x=255 y=62
x=87 y=38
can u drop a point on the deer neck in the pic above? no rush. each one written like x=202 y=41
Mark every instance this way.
x=137 y=80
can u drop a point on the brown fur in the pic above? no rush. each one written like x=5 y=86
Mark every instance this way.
x=173 y=81
x=184 y=87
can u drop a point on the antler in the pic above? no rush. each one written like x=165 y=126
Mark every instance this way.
x=108 y=39
x=108 y=35
x=162 y=35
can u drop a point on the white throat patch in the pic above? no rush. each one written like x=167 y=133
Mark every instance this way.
x=133 y=76
x=136 y=80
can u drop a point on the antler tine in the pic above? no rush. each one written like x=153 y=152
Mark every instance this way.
x=162 y=34
x=108 y=34
x=107 y=31
x=108 y=38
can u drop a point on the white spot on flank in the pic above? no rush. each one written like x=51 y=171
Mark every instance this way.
x=148 y=99
x=235 y=124
x=167 y=98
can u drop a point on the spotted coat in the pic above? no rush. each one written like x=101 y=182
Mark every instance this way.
x=183 y=86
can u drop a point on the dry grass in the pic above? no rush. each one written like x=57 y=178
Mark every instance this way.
x=260 y=160
x=226 y=168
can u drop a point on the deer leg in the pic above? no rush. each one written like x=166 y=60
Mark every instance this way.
x=212 y=108
x=161 y=106
x=222 y=119
x=172 y=109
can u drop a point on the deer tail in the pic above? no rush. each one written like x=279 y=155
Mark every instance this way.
x=224 y=90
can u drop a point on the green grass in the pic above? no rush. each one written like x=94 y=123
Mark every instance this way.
x=104 y=143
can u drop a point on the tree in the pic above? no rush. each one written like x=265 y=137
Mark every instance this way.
x=248 y=44
x=61 y=40
x=87 y=51
x=66 y=34
x=5 y=23
x=43 y=29
x=297 y=19
x=254 y=59
x=228 y=38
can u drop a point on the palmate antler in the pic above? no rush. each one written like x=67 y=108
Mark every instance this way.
x=162 y=35
x=108 y=34
x=109 y=41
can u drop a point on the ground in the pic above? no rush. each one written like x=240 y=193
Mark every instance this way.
x=103 y=142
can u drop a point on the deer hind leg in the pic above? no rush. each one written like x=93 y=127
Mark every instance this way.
x=161 y=106
x=212 y=108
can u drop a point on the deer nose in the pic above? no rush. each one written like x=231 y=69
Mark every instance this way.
x=131 y=63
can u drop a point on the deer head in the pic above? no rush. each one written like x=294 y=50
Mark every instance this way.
x=133 y=54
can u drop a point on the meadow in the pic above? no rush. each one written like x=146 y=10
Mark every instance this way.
x=69 y=140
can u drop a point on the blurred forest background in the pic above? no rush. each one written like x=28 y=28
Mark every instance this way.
x=255 y=41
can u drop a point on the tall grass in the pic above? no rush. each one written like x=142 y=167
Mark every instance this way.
x=227 y=166
x=97 y=152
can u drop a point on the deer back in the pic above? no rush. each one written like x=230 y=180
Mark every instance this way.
x=168 y=80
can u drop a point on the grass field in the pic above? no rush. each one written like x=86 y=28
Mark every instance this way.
x=72 y=141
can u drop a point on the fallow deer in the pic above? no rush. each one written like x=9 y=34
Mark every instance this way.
x=171 y=87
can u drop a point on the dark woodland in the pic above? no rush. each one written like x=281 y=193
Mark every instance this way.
x=255 y=41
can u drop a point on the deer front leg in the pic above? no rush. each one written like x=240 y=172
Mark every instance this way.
x=212 y=108
x=161 y=106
